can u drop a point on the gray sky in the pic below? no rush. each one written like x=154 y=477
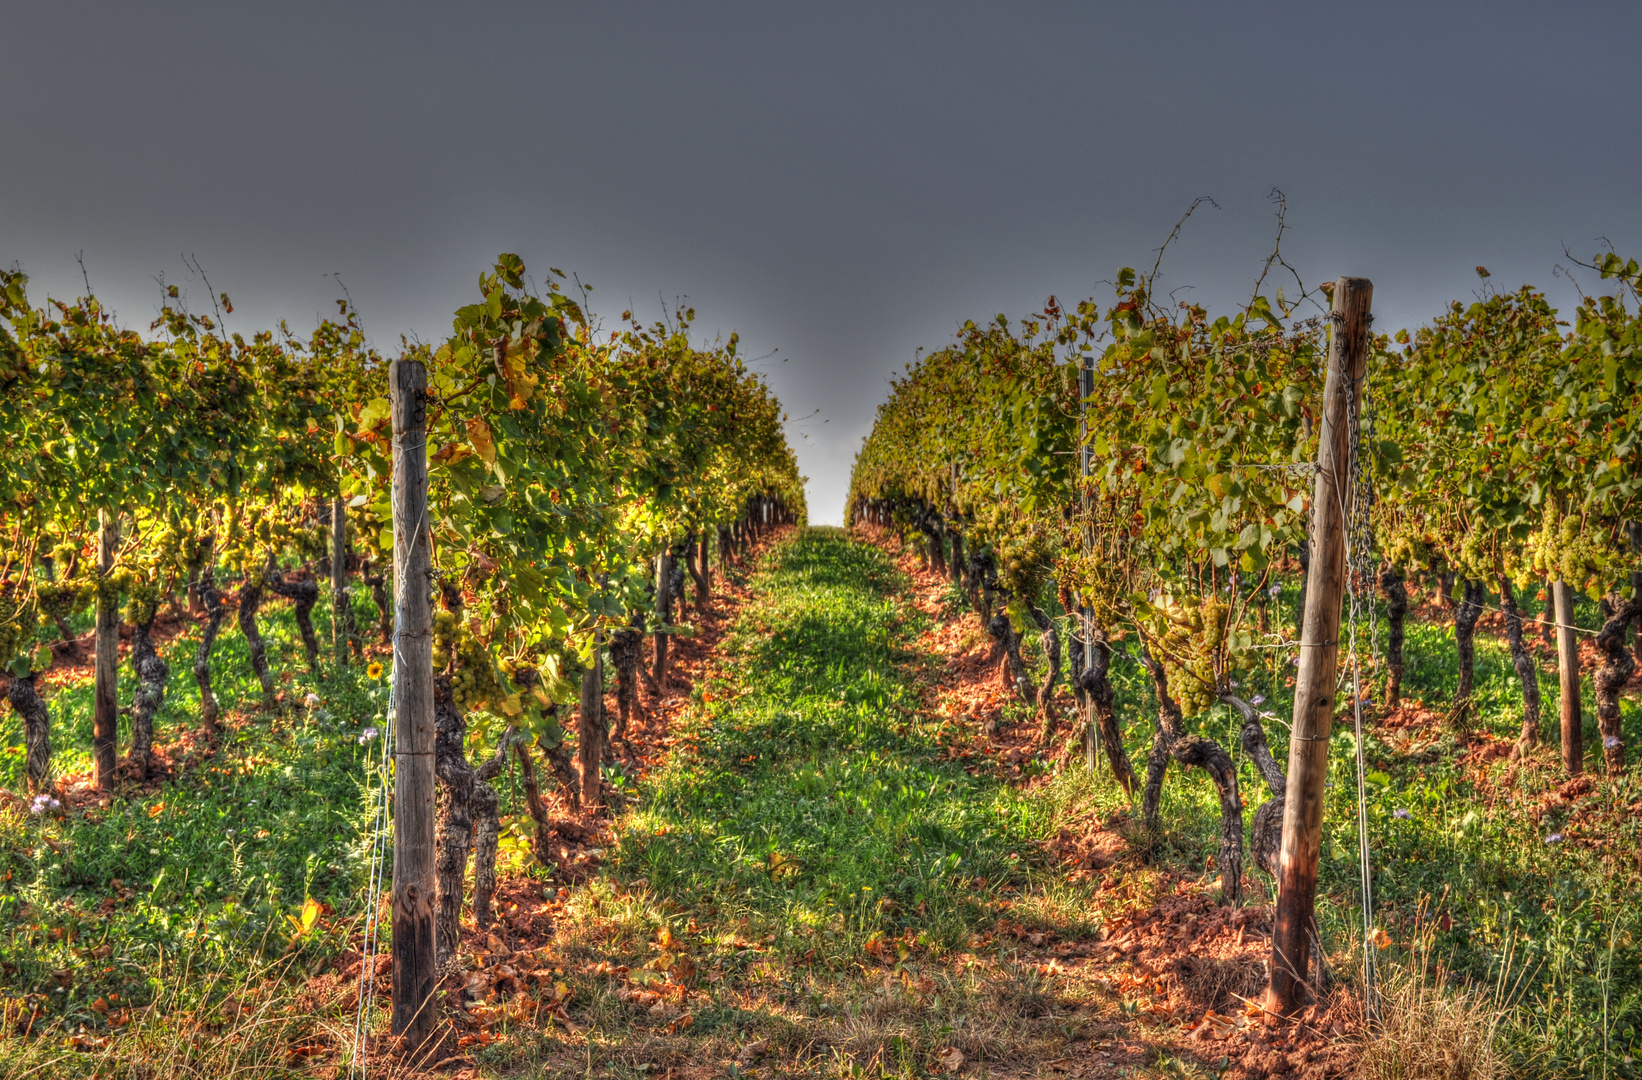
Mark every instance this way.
x=843 y=183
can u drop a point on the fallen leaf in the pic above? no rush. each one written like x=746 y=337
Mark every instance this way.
x=951 y=1059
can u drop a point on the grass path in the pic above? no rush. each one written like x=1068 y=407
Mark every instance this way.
x=810 y=798
x=807 y=884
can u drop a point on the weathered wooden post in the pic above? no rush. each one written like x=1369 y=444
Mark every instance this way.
x=414 y=957
x=1319 y=651
x=593 y=732
x=1086 y=617
x=105 y=708
x=663 y=613
x=1567 y=666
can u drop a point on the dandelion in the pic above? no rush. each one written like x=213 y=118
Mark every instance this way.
x=1554 y=838
x=367 y=735
x=1610 y=742
x=1401 y=813
x=373 y=670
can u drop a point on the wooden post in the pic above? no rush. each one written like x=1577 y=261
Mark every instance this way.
x=339 y=580
x=1314 y=687
x=664 y=613
x=414 y=889
x=105 y=712
x=592 y=731
x=1086 y=617
x=1567 y=666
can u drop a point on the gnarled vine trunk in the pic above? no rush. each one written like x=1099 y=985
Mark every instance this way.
x=1097 y=684
x=592 y=735
x=702 y=560
x=1617 y=666
x=250 y=600
x=691 y=564
x=726 y=545
x=211 y=604
x=1049 y=638
x=1007 y=646
x=1266 y=836
x=626 y=656
x=486 y=828
x=1466 y=614
x=1171 y=740
x=152 y=672
x=303 y=594
x=36 y=716
x=1525 y=667
x=1395 y=592
x=453 y=833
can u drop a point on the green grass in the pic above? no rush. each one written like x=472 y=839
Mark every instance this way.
x=805 y=813
x=813 y=804
x=203 y=874
x=1556 y=925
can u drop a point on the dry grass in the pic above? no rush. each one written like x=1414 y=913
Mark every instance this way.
x=1432 y=1027
x=220 y=1024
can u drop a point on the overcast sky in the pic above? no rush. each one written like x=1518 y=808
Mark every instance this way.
x=842 y=183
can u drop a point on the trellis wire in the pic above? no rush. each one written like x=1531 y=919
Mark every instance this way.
x=375 y=861
x=376 y=858
x=1359 y=572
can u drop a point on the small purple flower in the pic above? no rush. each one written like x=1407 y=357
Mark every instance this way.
x=367 y=735
x=1274 y=590
x=43 y=802
x=1610 y=742
x=312 y=700
x=1554 y=838
x=1258 y=699
x=1401 y=813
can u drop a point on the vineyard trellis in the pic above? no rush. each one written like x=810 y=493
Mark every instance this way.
x=562 y=458
x=1141 y=469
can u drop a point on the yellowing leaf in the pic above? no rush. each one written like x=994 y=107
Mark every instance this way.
x=479 y=436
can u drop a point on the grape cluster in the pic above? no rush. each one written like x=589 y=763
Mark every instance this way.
x=18 y=618
x=474 y=681
x=1190 y=633
x=1024 y=555
x=60 y=599
x=1567 y=548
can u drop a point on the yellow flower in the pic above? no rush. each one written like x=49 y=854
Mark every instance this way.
x=373 y=670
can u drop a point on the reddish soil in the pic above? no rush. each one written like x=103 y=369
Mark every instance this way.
x=1197 y=966
x=514 y=980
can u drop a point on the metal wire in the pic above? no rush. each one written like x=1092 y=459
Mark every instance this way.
x=1359 y=578
x=376 y=858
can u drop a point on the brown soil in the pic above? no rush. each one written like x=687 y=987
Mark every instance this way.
x=515 y=975
x=1196 y=969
